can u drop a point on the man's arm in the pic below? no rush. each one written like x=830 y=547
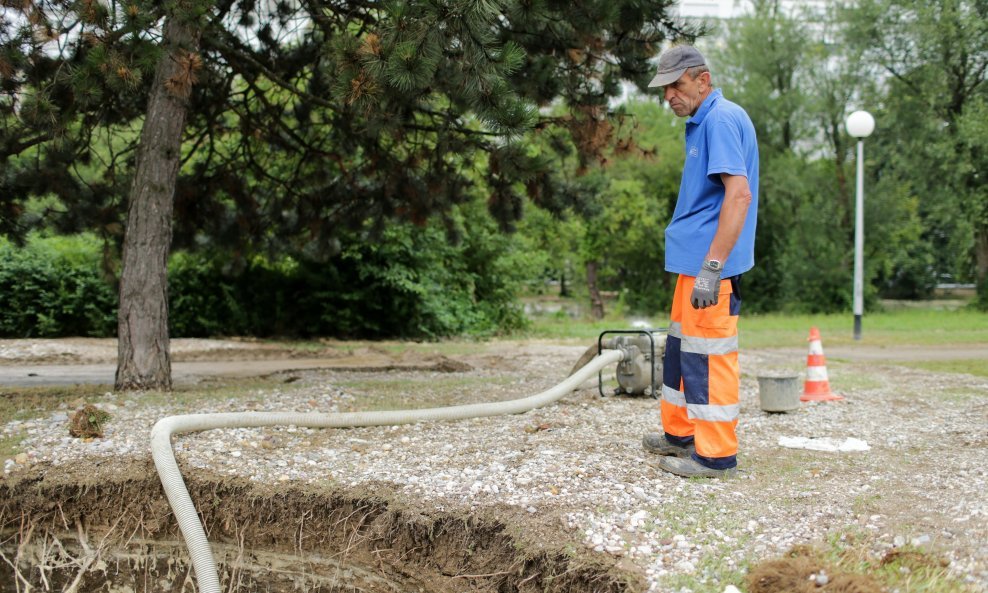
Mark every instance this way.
x=737 y=199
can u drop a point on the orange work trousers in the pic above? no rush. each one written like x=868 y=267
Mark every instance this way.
x=701 y=378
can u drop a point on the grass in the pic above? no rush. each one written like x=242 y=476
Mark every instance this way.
x=20 y=403
x=975 y=366
x=713 y=572
x=10 y=446
x=696 y=521
x=23 y=403
x=906 y=569
x=916 y=327
x=460 y=345
x=922 y=325
x=852 y=379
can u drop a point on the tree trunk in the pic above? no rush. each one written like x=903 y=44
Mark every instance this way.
x=143 y=358
x=596 y=302
x=981 y=262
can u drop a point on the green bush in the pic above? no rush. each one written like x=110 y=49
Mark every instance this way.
x=53 y=287
x=406 y=281
x=203 y=301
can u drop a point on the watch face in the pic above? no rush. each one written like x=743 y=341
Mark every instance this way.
x=714 y=264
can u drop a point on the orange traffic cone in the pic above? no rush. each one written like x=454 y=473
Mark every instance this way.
x=817 y=386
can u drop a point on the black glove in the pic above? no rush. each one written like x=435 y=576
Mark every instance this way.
x=707 y=285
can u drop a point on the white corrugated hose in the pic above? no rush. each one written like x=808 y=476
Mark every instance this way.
x=178 y=494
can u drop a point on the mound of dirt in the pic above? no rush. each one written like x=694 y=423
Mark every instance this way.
x=88 y=422
x=802 y=571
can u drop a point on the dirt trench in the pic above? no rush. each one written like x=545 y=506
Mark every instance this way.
x=108 y=527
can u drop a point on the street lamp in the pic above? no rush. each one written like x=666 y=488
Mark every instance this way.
x=860 y=124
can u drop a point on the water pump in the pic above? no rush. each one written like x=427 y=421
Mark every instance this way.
x=640 y=373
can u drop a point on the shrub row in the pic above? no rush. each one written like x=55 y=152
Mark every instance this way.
x=409 y=282
x=53 y=287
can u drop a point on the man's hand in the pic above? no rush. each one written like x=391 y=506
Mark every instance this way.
x=707 y=285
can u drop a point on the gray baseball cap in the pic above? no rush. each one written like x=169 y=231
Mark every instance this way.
x=674 y=62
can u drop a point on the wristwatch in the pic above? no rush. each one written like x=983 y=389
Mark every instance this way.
x=713 y=264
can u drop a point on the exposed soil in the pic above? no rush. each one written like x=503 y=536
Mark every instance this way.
x=107 y=526
x=580 y=508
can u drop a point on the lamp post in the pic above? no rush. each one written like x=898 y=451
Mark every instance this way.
x=860 y=124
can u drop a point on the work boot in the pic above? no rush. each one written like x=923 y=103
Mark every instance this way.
x=691 y=468
x=656 y=442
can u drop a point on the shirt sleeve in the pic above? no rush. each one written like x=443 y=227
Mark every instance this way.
x=724 y=149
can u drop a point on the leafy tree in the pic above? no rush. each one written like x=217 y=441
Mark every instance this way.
x=639 y=199
x=973 y=138
x=764 y=59
x=408 y=282
x=617 y=238
x=933 y=59
x=798 y=78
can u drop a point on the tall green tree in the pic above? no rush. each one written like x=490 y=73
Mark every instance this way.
x=933 y=60
x=799 y=77
x=764 y=61
x=762 y=65
x=616 y=236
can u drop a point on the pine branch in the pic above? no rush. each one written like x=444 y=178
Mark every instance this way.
x=245 y=55
x=13 y=147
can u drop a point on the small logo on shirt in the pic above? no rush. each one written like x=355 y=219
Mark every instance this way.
x=694 y=151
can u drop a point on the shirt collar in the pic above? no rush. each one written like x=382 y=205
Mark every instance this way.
x=705 y=107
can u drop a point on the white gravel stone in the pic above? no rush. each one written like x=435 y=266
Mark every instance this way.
x=588 y=469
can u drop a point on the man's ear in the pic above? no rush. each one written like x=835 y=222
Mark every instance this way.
x=705 y=78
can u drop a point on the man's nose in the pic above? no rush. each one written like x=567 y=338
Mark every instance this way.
x=668 y=93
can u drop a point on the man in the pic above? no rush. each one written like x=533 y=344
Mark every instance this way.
x=709 y=243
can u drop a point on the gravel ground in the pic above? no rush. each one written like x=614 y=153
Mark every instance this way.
x=922 y=483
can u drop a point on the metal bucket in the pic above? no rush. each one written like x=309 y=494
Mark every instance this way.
x=779 y=393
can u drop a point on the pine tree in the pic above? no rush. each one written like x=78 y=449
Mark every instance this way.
x=302 y=118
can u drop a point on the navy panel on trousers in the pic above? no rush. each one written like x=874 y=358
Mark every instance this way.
x=696 y=378
x=671 y=369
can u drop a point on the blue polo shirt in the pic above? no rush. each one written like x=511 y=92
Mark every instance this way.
x=720 y=138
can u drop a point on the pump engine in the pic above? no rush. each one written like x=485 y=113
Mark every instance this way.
x=640 y=373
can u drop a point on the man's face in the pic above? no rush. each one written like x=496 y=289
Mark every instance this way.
x=686 y=94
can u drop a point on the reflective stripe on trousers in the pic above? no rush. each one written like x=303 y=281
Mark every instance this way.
x=701 y=377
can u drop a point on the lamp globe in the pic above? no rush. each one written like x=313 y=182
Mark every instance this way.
x=860 y=124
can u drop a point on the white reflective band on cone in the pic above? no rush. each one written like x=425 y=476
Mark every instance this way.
x=816 y=373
